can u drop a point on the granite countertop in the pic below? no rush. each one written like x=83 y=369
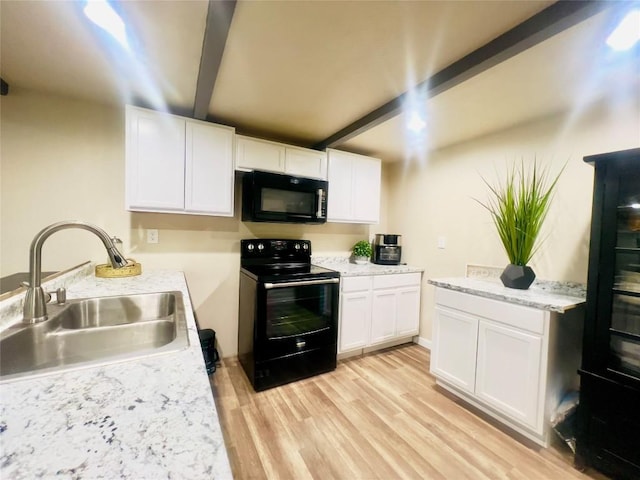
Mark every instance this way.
x=544 y=295
x=348 y=269
x=13 y=282
x=148 y=418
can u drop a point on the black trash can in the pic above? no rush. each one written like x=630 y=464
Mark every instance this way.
x=209 y=351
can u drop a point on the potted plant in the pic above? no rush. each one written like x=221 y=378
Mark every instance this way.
x=518 y=208
x=362 y=251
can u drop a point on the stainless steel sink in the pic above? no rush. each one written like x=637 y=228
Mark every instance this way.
x=95 y=331
x=109 y=311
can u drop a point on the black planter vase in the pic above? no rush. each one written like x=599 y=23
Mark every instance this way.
x=517 y=276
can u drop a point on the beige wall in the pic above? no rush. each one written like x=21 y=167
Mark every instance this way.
x=438 y=198
x=63 y=159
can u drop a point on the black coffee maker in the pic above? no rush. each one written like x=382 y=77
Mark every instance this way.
x=387 y=249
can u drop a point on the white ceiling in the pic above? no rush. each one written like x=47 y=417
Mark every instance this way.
x=568 y=72
x=302 y=70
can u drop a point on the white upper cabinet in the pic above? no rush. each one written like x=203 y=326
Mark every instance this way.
x=256 y=154
x=340 y=199
x=209 y=173
x=354 y=188
x=253 y=154
x=178 y=165
x=303 y=162
x=155 y=160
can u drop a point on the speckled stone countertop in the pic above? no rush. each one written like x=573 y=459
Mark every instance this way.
x=148 y=418
x=348 y=269
x=544 y=295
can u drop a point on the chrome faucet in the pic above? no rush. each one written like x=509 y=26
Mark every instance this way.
x=35 y=302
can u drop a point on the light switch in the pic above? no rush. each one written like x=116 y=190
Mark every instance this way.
x=442 y=241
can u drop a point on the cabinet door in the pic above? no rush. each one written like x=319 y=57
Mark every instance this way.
x=339 y=201
x=305 y=163
x=354 y=188
x=355 y=319
x=252 y=154
x=209 y=171
x=383 y=315
x=453 y=354
x=408 y=316
x=508 y=372
x=366 y=189
x=154 y=160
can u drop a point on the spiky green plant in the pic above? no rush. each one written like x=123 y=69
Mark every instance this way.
x=519 y=206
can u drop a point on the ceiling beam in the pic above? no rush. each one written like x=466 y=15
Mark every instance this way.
x=543 y=25
x=219 y=16
x=4 y=87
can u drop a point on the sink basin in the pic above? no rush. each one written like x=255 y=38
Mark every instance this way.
x=110 y=311
x=95 y=331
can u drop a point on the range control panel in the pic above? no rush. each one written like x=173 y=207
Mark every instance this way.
x=274 y=248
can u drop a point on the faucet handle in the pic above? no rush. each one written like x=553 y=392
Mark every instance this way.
x=61 y=295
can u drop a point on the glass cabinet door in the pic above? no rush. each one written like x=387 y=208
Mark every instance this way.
x=625 y=311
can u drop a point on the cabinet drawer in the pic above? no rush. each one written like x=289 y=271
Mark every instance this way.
x=518 y=316
x=396 y=280
x=356 y=284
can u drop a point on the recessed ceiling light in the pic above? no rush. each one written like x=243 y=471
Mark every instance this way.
x=102 y=14
x=416 y=123
x=627 y=33
x=635 y=205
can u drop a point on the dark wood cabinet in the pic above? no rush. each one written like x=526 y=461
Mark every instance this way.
x=608 y=434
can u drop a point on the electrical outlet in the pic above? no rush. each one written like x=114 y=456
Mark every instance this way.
x=152 y=235
x=442 y=241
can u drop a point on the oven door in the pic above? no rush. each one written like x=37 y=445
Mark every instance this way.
x=296 y=316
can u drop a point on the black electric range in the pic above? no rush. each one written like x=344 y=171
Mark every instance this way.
x=287 y=314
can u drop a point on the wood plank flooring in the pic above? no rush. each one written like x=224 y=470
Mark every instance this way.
x=378 y=416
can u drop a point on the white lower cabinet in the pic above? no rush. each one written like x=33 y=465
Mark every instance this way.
x=453 y=355
x=508 y=371
x=513 y=362
x=408 y=310
x=356 y=307
x=383 y=316
x=378 y=309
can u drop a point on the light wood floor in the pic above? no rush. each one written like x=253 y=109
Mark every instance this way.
x=375 y=416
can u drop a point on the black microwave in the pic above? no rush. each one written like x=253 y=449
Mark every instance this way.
x=273 y=197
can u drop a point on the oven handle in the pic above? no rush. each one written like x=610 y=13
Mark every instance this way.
x=301 y=283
